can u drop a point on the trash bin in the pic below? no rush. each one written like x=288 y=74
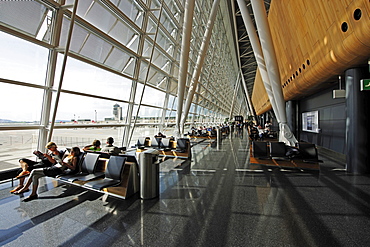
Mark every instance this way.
x=149 y=174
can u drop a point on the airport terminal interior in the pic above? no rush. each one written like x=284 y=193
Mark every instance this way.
x=234 y=122
x=217 y=199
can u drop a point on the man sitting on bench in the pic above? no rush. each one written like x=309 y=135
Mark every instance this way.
x=109 y=148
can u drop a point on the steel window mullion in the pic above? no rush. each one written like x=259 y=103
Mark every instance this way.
x=40 y=25
x=26 y=84
x=126 y=139
x=52 y=61
x=64 y=63
x=148 y=70
x=22 y=35
x=92 y=96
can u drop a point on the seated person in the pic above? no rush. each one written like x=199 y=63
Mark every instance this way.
x=261 y=132
x=47 y=160
x=200 y=129
x=254 y=133
x=192 y=131
x=204 y=131
x=214 y=131
x=95 y=146
x=69 y=163
x=268 y=126
x=109 y=148
x=160 y=134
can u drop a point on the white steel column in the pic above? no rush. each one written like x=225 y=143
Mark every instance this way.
x=234 y=96
x=257 y=50
x=200 y=61
x=184 y=61
x=272 y=69
x=249 y=102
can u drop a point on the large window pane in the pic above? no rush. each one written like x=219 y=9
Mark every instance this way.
x=86 y=43
x=172 y=5
x=30 y=17
x=15 y=145
x=157 y=79
x=149 y=115
x=82 y=137
x=132 y=10
x=164 y=42
x=158 y=58
x=153 y=97
x=89 y=110
x=94 y=14
x=20 y=104
x=172 y=102
x=125 y=36
x=85 y=78
x=170 y=118
x=21 y=60
x=143 y=131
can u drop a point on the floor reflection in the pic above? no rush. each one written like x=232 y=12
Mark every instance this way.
x=218 y=198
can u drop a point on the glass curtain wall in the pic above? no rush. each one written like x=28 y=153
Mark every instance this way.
x=120 y=76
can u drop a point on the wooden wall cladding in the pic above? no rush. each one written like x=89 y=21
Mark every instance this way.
x=315 y=41
x=260 y=98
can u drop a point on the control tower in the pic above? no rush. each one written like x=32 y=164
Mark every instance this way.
x=117 y=112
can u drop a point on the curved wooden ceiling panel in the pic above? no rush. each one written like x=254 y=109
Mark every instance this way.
x=315 y=41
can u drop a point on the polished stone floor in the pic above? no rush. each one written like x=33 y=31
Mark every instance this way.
x=217 y=199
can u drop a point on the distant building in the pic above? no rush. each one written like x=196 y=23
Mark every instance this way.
x=117 y=112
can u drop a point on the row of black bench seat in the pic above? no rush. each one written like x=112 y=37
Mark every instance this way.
x=87 y=167
x=89 y=176
x=165 y=144
x=9 y=175
x=307 y=152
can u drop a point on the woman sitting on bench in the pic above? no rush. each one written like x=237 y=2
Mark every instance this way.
x=69 y=163
x=47 y=159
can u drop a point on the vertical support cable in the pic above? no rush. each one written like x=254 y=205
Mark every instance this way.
x=66 y=51
x=147 y=72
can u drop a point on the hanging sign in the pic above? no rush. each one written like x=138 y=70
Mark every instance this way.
x=365 y=84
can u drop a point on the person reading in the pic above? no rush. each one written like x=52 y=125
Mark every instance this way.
x=67 y=165
x=47 y=160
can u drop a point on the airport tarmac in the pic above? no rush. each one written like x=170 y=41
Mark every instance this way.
x=20 y=144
